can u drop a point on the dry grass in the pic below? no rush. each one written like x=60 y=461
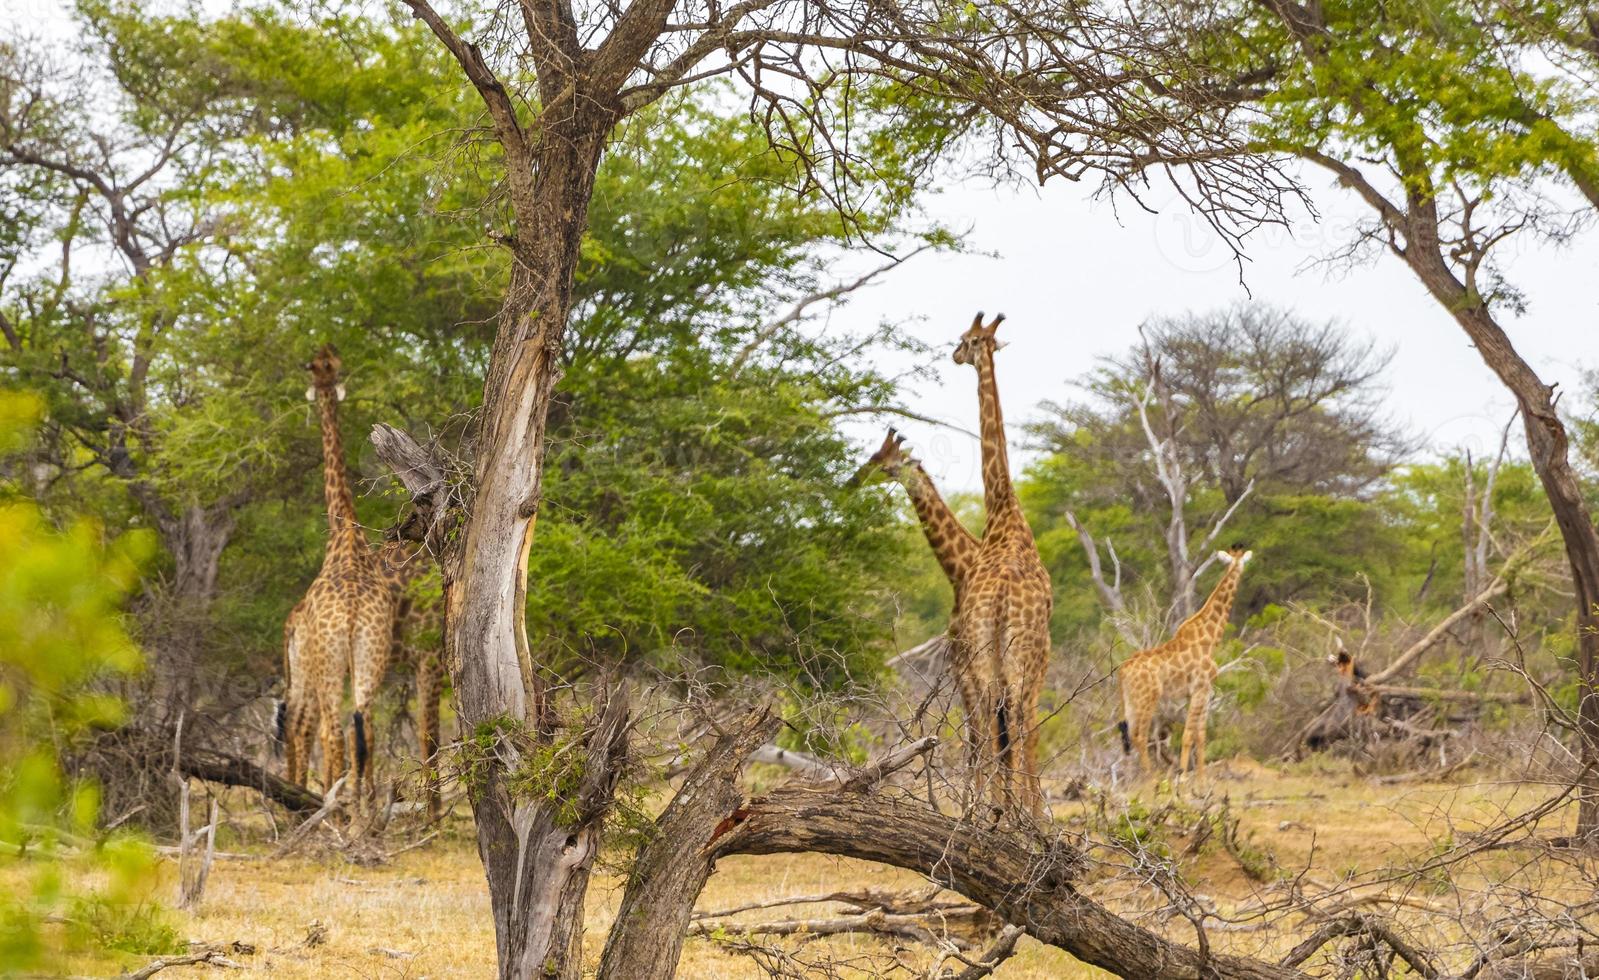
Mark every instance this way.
x=426 y=914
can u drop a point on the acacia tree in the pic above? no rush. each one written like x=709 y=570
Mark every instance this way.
x=101 y=228
x=1437 y=118
x=1206 y=412
x=1054 y=87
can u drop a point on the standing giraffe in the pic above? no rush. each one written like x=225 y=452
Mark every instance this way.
x=953 y=545
x=1002 y=638
x=1184 y=665
x=345 y=624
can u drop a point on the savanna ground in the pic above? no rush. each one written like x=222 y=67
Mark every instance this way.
x=1314 y=825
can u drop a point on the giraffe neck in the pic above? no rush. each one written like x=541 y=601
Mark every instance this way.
x=952 y=544
x=1212 y=616
x=999 y=498
x=343 y=531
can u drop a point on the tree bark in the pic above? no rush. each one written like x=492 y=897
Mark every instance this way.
x=195 y=536
x=537 y=859
x=671 y=868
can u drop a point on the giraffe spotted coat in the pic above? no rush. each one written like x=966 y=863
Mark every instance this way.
x=1182 y=667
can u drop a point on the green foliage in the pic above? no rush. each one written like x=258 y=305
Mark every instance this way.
x=694 y=501
x=61 y=635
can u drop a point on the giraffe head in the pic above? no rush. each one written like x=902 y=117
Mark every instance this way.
x=978 y=339
x=888 y=462
x=1345 y=664
x=1236 y=553
x=324 y=368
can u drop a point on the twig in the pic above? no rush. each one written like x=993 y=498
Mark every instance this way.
x=1003 y=949
x=210 y=957
x=330 y=803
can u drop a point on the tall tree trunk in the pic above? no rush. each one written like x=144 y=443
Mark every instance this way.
x=1548 y=446
x=537 y=853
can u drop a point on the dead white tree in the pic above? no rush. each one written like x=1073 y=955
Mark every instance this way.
x=1181 y=549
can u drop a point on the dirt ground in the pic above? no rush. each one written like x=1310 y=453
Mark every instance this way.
x=425 y=914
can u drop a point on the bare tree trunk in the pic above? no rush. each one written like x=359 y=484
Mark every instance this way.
x=537 y=853
x=195 y=537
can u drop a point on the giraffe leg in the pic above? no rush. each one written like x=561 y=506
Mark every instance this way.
x=980 y=756
x=1188 y=740
x=1143 y=716
x=429 y=686
x=1194 y=728
x=1031 y=790
x=330 y=732
x=370 y=651
x=299 y=736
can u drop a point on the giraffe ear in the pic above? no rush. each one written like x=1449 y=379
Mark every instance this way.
x=310 y=394
x=339 y=392
x=1224 y=558
x=1245 y=559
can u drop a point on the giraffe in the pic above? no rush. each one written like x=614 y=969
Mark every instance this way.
x=345 y=624
x=1184 y=665
x=1002 y=640
x=953 y=545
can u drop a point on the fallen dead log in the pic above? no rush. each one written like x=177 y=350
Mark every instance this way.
x=1019 y=872
x=231 y=770
x=1441 y=694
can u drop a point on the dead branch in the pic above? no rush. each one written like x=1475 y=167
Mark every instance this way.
x=797 y=312
x=210 y=957
x=295 y=839
x=920 y=927
x=1023 y=874
x=1003 y=949
x=231 y=770
x=1356 y=925
x=1499 y=586
x=806 y=765
x=1110 y=593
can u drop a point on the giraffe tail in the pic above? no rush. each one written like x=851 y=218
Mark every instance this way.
x=1127 y=739
x=280 y=724
x=359 y=723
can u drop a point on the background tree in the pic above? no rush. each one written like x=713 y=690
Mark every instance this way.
x=556 y=80
x=1250 y=423
x=1455 y=142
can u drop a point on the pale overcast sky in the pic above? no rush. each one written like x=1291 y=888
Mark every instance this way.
x=1076 y=276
